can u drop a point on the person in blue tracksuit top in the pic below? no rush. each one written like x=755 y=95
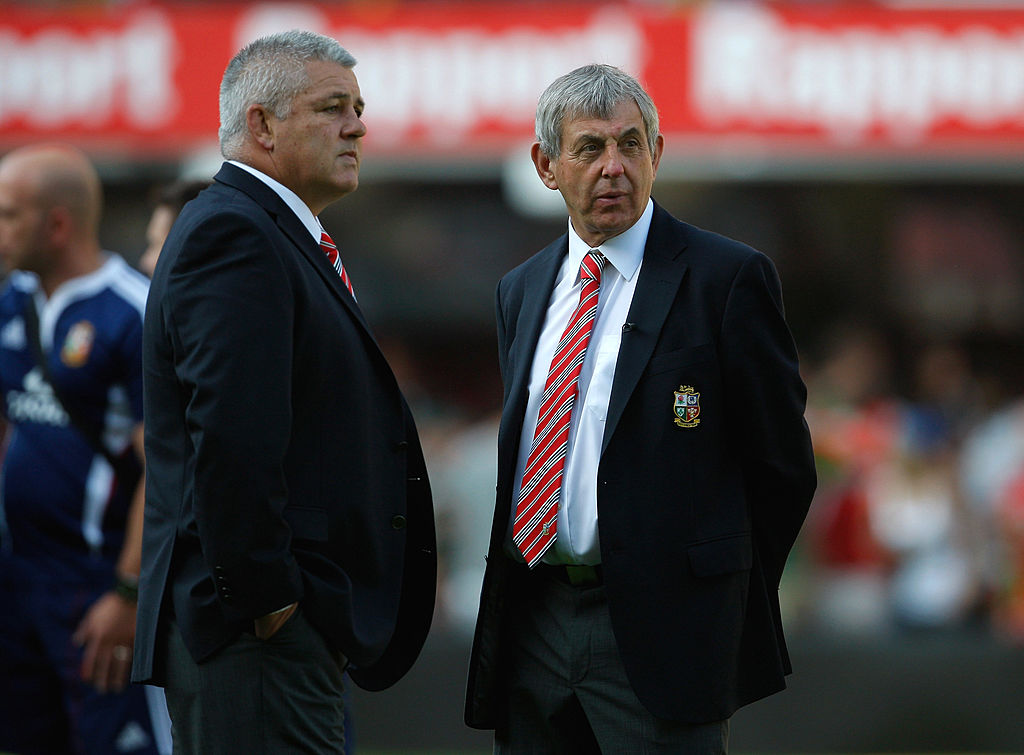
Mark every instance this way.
x=71 y=488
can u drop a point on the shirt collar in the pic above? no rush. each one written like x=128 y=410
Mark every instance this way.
x=290 y=198
x=624 y=252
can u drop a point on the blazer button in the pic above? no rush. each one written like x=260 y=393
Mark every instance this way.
x=401 y=445
x=398 y=522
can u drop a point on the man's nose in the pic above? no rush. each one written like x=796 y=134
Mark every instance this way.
x=611 y=166
x=354 y=127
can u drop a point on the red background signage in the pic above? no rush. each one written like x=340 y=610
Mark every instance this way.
x=463 y=78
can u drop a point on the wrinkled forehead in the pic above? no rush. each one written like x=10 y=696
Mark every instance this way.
x=590 y=111
x=620 y=117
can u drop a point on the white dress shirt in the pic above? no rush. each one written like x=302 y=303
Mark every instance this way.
x=290 y=198
x=576 y=541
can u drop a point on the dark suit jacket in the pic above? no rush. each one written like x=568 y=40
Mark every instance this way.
x=695 y=523
x=282 y=461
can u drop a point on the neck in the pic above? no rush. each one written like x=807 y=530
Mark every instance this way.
x=80 y=259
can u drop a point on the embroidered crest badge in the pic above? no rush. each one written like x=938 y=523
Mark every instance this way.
x=78 y=344
x=687 y=407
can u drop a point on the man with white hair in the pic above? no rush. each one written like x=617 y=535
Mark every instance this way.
x=289 y=531
x=654 y=466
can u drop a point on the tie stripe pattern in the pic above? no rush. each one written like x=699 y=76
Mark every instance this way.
x=335 y=259
x=535 y=524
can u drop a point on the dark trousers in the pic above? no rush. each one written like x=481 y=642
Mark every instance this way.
x=282 y=695
x=567 y=689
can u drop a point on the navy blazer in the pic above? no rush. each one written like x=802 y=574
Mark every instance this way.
x=282 y=460
x=696 y=514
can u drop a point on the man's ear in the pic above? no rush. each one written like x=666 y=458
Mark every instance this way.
x=59 y=226
x=659 y=148
x=260 y=126
x=543 y=165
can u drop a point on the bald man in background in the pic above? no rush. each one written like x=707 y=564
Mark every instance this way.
x=71 y=490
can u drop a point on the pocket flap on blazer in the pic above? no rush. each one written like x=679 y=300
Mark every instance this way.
x=679 y=359
x=717 y=557
x=307 y=523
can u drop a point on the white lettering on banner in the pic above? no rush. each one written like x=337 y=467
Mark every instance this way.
x=444 y=84
x=749 y=66
x=57 y=78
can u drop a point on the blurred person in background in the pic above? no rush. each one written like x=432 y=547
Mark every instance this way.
x=170 y=199
x=855 y=421
x=289 y=530
x=630 y=599
x=71 y=375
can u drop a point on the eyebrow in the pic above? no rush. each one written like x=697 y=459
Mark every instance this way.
x=589 y=136
x=345 y=97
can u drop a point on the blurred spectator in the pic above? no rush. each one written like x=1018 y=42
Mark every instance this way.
x=992 y=469
x=463 y=482
x=917 y=508
x=895 y=543
x=853 y=423
x=169 y=201
x=71 y=376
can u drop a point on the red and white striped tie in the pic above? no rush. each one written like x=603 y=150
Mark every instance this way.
x=535 y=524
x=335 y=259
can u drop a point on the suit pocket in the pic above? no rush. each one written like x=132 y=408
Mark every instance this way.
x=678 y=359
x=307 y=522
x=719 y=557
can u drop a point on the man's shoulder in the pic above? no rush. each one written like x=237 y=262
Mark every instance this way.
x=224 y=206
x=16 y=287
x=111 y=305
x=126 y=283
x=708 y=252
x=697 y=239
x=541 y=259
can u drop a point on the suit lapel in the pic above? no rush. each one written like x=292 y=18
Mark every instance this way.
x=660 y=276
x=534 y=292
x=293 y=228
x=311 y=250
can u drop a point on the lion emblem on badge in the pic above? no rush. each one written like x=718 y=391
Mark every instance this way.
x=687 y=407
x=78 y=344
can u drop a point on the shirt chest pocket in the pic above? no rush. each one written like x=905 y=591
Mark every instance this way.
x=604 y=354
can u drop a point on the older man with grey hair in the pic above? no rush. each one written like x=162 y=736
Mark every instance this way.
x=654 y=466
x=289 y=532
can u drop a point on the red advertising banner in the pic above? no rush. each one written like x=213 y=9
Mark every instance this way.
x=444 y=79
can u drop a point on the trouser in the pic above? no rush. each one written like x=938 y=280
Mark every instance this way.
x=280 y=695
x=567 y=688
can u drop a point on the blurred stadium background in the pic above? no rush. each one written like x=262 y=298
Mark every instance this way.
x=875 y=150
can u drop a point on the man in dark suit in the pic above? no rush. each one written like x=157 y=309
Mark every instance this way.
x=654 y=464
x=288 y=529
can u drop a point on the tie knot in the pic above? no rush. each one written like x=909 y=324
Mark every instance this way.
x=592 y=265
x=325 y=240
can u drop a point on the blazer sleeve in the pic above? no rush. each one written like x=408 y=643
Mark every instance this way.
x=229 y=311
x=767 y=401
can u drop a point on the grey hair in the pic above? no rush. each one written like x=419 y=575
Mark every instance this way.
x=591 y=91
x=271 y=71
